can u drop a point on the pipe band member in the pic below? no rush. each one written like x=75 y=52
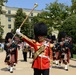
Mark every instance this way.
x=11 y=49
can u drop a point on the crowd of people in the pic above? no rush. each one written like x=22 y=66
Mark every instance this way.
x=62 y=52
x=44 y=50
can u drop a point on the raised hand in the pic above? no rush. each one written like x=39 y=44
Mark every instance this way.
x=18 y=31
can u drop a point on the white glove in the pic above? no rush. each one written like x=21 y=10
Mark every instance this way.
x=18 y=31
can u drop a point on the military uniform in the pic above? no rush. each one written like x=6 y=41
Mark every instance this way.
x=43 y=52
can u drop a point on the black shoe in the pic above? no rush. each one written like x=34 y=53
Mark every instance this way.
x=14 y=64
x=11 y=71
x=8 y=69
x=56 y=64
x=66 y=69
x=25 y=60
x=29 y=57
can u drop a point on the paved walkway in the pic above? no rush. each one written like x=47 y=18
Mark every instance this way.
x=24 y=68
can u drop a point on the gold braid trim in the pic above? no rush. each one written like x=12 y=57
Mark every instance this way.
x=39 y=51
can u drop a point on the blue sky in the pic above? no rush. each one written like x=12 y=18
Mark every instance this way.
x=30 y=3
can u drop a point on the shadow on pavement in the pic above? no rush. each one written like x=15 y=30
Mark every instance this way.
x=57 y=67
x=73 y=66
x=21 y=60
x=4 y=69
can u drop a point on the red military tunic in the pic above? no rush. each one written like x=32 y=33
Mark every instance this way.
x=43 y=60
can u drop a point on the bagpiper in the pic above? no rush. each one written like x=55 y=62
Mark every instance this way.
x=11 y=48
x=64 y=54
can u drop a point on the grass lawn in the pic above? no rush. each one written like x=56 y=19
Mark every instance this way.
x=74 y=56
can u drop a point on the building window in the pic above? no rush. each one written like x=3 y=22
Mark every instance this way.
x=9 y=19
x=9 y=11
x=31 y=14
x=9 y=26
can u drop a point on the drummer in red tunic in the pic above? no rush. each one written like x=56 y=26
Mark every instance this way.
x=43 y=52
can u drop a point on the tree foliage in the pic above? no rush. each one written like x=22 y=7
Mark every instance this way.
x=53 y=15
x=1 y=31
x=73 y=1
x=19 y=18
x=73 y=7
x=2 y=4
x=69 y=26
x=58 y=12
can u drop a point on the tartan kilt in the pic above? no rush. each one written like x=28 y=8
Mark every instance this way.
x=10 y=58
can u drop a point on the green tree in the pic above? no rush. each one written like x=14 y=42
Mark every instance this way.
x=19 y=18
x=1 y=31
x=53 y=15
x=2 y=4
x=58 y=12
x=43 y=17
x=69 y=26
x=73 y=7
x=73 y=1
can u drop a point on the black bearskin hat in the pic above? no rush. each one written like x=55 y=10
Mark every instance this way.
x=8 y=35
x=61 y=35
x=66 y=44
x=40 y=29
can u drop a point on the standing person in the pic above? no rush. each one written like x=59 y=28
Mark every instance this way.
x=43 y=52
x=30 y=52
x=71 y=46
x=11 y=49
x=25 y=50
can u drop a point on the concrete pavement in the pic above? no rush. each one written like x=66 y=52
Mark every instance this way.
x=24 y=68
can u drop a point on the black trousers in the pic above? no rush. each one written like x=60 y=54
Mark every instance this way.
x=41 y=72
x=29 y=53
x=25 y=56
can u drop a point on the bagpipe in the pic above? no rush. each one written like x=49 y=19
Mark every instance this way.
x=10 y=49
x=56 y=47
x=64 y=49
